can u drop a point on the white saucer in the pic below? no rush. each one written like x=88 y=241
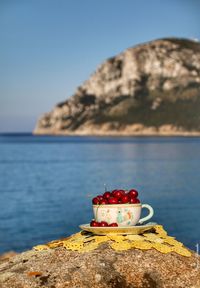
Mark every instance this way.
x=120 y=230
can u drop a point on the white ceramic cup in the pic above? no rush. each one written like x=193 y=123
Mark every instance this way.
x=122 y=214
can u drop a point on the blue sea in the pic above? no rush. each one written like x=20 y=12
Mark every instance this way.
x=46 y=183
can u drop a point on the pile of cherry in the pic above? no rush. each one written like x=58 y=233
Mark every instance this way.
x=117 y=197
x=114 y=197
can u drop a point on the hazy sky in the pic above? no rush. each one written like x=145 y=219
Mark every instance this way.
x=49 y=47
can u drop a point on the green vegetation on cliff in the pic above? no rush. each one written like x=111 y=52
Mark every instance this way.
x=153 y=88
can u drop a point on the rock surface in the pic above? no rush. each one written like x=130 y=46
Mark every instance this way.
x=153 y=88
x=100 y=268
x=6 y=256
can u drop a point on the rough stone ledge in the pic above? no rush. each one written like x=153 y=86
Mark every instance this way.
x=100 y=268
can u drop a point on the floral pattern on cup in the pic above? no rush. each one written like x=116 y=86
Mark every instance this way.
x=123 y=215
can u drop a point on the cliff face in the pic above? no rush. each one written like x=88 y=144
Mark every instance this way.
x=152 y=88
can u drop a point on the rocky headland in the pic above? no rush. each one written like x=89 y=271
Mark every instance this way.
x=150 y=89
x=100 y=268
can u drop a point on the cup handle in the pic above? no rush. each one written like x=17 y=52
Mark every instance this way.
x=151 y=212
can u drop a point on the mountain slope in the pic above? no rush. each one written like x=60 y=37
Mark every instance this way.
x=153 y=88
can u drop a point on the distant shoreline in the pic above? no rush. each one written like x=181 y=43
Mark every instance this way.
x=112 y=134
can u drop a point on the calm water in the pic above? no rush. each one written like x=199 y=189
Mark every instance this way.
x=45 y=182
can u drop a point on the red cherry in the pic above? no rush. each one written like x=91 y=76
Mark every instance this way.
x=134 y=200
x=113 y=200
x=94 y=223
x=100 y=197
x=106 y=195
x=103 y=202
x=95 y=201
x=133 y=193
x=118 y=193
x=103 y=224
x=113 y=225
x=125 y=199
x=113 y=192
x=123 y=191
